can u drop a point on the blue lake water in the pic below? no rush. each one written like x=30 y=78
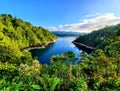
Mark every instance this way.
x=62 y=44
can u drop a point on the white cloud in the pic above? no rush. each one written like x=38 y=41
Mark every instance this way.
x=88 y=25
x=93 y=15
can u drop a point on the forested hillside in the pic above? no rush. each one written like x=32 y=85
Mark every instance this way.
x=19 y=72
x=102 y=69
x=100 y=38
x=16 y=34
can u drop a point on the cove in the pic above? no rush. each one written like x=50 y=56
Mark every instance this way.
x=62 y=44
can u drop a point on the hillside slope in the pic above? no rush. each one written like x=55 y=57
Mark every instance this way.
x=16 y=34
x=103 y=68
x=100 y=38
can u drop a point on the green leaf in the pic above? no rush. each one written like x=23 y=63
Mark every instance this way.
x=36 y=86
x=54 y=83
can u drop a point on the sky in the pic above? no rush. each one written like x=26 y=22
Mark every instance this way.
x=65 y=15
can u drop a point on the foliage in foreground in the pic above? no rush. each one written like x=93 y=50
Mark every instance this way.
x=100 y=73
x=58 y=76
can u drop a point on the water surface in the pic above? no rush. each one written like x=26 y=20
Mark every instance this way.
x=62 y=44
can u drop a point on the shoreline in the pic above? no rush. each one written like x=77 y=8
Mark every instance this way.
x=84 y=47
x=38 y=46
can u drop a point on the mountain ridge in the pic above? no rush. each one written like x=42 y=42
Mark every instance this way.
x=67 y=33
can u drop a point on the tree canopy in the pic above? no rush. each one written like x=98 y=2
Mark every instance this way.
x=16 y=34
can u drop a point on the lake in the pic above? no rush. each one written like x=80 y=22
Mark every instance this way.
x=62 y=44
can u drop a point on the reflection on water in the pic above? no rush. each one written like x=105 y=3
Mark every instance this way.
x=62 y=44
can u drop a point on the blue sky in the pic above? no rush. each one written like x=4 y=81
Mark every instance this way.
x=69 y=15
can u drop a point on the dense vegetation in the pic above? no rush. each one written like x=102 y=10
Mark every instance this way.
x=16 y=34
x=100 y=72
x=100 y=38
x=103 y=69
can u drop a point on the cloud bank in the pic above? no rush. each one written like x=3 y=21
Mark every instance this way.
x=89 y=24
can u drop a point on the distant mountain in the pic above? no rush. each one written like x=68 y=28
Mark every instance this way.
x=64 y=33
